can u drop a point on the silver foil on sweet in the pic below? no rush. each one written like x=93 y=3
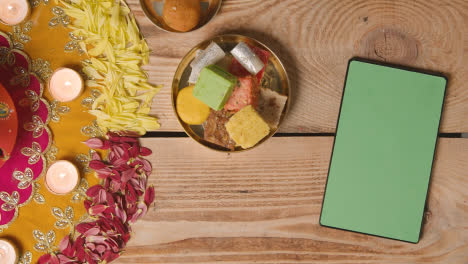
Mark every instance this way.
x=212 y=54
x=247 y=58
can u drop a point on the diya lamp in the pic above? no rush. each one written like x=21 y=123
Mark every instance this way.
x=8 y=253
x=8 y=125
x=65 y=84
x=61 y=177
x=13 y=12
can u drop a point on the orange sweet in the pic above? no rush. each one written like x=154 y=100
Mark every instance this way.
x=182 y=15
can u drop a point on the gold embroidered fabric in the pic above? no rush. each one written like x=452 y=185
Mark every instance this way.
x=47 y=218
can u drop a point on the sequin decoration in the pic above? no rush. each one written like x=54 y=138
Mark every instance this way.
x=64 y=218
x=22 y=77
x=34 y=153
x=26 y=258
x=83 y=160
x=11 y=201
x=25 y=178
x=45 y=242
x=38 y=197
x=5 y=111
x=60 y=17
x=41 y=68
x=7 y=56
x=20 y=36
x=36 y=126
x=89 y=101
x=56 y=110
x=74 y=44
x=36 y=3
x=92 y=130
x=31 y=100
x=51 y=155
x=80 y=192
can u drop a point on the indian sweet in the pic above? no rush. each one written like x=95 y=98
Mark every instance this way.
x=247 y=58
x=247 y=127
x=182 y=15
x=238 y=70
x=191 y=110
x=214 y=87
x=244 y=94
x=270 y=106
x=211 y=55
x=215 y=129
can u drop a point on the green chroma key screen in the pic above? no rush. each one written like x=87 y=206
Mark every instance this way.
x=384 y=148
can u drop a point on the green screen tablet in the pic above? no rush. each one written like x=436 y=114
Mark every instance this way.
x=383 y=152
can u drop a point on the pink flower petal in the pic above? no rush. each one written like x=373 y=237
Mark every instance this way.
x=44 y=259
x=97 y=165
x=145 y=151
x=83 y=227
x=96 y=239
x=149 y=196
x=64 y=259
x=94 y=143
x=92 y=232
x=128 y=174
x=66 y=247
x=96 y=156
x=90 y=246
x=100 y=249
x=102 y=197
x=87 y=204
x=90 y=259
x=134 y=150
x=94 y=191
x=110 y=256
x=97 y=209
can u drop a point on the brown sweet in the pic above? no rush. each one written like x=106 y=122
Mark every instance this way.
x=215 y=130
x=182 y=15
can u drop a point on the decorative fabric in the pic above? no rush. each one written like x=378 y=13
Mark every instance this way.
x=39 y=225
x=27 y=162
x=45 y=219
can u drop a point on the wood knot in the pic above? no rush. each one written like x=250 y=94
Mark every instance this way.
x=388 y=45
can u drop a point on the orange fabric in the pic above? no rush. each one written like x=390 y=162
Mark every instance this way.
x=48 y=43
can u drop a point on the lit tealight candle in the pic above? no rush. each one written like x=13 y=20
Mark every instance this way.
x=13 y=12
x=61 y=177
x=65 y=84
x=7 y=253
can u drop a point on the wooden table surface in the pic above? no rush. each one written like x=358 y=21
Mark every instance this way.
x=263 y=205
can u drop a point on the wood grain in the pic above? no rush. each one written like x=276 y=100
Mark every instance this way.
x=315 y=40
x=263 y=206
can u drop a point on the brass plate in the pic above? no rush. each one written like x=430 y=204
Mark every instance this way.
x=275 y=78
x=153 y=10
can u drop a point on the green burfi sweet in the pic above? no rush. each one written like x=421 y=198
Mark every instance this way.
x=214 y=86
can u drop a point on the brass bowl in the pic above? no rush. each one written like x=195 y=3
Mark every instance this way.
x=275 y=76
x=153 y=10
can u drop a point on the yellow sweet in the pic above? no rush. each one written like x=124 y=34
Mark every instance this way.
x=191 y=110
x=247 y=128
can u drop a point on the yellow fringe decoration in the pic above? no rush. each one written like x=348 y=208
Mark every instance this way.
x=117 y=51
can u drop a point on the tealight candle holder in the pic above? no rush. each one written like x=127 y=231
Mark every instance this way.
x=65 y=84
x=13 y=12
x=8 y=254
x=61 y=177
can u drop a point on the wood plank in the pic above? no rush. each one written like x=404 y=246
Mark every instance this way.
x=315 y=39
x=263 y=206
